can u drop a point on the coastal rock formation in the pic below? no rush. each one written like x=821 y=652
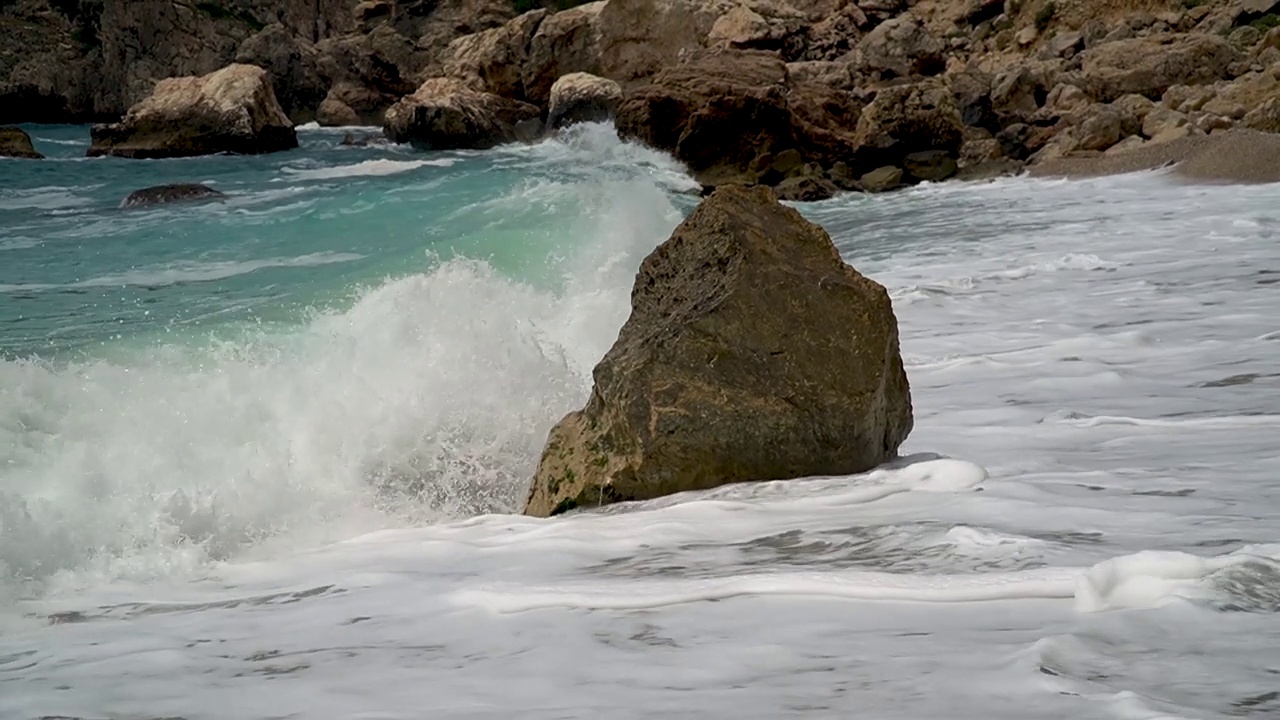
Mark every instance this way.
x=232 y=110
x=15 y=143
x=753 y=352
x=446 y=114
x=581 y=97
x=161 y=194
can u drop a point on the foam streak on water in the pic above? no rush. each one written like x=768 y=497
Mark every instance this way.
x=307 y=519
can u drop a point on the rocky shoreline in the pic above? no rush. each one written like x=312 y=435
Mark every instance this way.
x=809 y=97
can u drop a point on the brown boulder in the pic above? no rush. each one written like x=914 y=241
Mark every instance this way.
x=565 y=42
x=292 y=63
x=905 y=119
x=753 y=352
x=335 y=113
x=232 y=110
x=1265 y=117
x=901 y=47
x=1151 y=65
x=15 y=143
x=721 y=108
x=446 y=114
x=494 y=58
x=581 y=97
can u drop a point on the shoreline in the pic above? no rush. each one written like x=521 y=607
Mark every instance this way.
x=1236 y=157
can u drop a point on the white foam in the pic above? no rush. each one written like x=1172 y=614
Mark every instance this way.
x=648 y=594
x=366 y=168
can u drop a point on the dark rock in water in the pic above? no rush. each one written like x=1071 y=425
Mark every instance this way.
x=529 y=131
x=882 y=179
x=232 y=110
x=363 y=141
x=753 y=352
x=170 y=193
x=15 y=143
x=930 y=165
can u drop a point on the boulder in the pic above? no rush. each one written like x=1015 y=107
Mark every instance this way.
x=882 y=179
x=232 y=110
x=565 y=42
x=15 y=143
x=494 y=58
x=161 y=194
x=930 y=165
x=335 y=113
x=901 y=47
x=1151 y=65
x=720 y=108
x=292 y=63
x=905 y=119
x=446 y=114
x=1265 y=117
x=1161 y=119
x=581 y=97
x=368 y=106
x=753 y=352
x=806 y=188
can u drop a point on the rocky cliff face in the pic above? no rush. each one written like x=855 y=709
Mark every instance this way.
x=82 y=60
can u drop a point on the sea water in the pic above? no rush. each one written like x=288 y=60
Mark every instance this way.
x=261 y=457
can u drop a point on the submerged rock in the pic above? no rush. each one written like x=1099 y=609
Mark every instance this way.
x=232 y=110
x=16 y=143
x=753 y=352
x=178 y=192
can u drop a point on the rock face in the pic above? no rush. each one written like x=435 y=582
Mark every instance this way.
x=161 y=194
x=15 y=143
x=446 y=114
x=752 y=353
x=232 y=110
x=580 y=97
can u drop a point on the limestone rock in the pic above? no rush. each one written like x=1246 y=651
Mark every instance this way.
x=930 y=165
x=565 y=42
x=15 y=143
x=806 y=188
x=581 y=97
x=1265 y=117
x=1151 y=65
x=335 y=113
x=722 y=107
x=446 y=114
x=909 y=118
x=496 y=57
x=882 y=179
x=901 y=47
x=232 y=110
x=162 y=194
x=292 y=63
x=752 y=353
x=1161 y=119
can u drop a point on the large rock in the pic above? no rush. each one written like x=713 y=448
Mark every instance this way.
x=493 y=60
x=581 y=97
x=565 y=42
x=16 y=143
x=1149 y=66
x=752 y=353
x=901 y=47
x=293 y=64
x=721 y=108
x=907 y=119
x=232 y=110
x=446 y=114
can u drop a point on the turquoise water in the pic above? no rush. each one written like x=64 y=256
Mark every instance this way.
x=299 y=231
